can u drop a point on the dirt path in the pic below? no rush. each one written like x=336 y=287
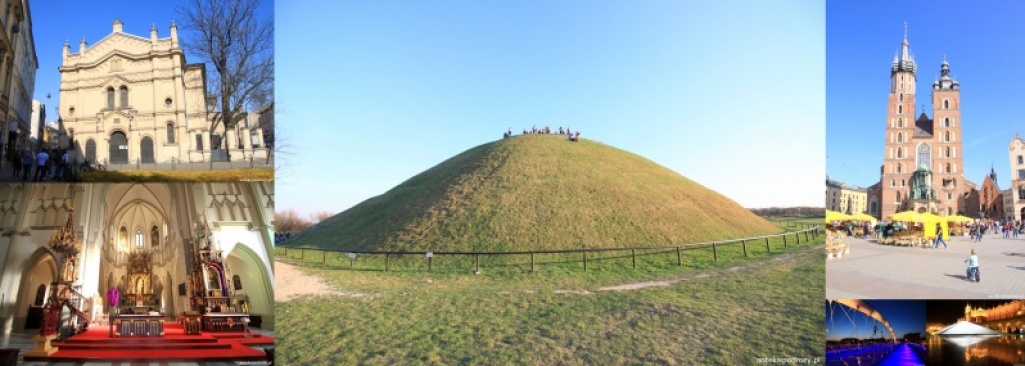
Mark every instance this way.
x=291 y=283
x=782 y=259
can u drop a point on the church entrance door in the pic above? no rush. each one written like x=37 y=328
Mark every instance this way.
x=146 y=149
x=118 y=148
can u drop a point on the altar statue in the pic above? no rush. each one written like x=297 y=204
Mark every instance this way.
x=113 y=296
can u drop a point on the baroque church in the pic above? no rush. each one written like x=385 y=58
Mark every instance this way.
x=129 y=99
x=158 y=251
x=923 y=158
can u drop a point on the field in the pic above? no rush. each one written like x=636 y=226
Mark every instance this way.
x=730 y=311
x=232 y=175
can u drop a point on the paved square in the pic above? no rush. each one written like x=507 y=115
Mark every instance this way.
x=875 y=271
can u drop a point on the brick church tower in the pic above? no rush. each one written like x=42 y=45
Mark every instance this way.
x=916 y=143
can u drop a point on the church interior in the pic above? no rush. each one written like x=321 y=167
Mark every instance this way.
x=137 y=271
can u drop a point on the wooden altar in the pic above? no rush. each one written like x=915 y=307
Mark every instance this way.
x=135 y=325
x=225 y=322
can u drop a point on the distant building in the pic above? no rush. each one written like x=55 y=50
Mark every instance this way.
x=986 y=202
x=17 y=73
x=1016 y=155
x=37 y=123
x=1008 y=196
x=844 y=198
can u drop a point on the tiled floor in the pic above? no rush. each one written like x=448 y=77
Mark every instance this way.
x=24 y=343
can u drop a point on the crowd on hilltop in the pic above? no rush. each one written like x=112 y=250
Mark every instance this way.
x=280 y=237
x=546 y=130
x=47 y=164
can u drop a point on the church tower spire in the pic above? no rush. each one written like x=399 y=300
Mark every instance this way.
x=901 y=153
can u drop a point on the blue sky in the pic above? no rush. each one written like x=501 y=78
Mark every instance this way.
x=729 y=94
x=981 y=41
x=57 y=21
x=905 y=316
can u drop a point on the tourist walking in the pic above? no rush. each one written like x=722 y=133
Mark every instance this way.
x=41 y=159
x=26 y=163
x=939 y=238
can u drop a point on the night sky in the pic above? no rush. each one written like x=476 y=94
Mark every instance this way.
x=905 y=316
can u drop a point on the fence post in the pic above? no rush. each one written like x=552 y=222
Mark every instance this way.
x=387 y=257
x=744 y=243
x=767 y=249
x=798 y=235
x=429 y=263
x=715 y=254
x=302 y=254
x=478 y=263
x=323 y=258
x=784 y=240
x=532 y=261
x=805 y=236
x=679 y=261
x=585 y=258
x=350 y=262
x=633 y=255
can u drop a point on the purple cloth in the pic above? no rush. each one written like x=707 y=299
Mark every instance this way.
x=113 y=295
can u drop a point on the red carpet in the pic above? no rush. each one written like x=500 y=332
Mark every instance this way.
x=96 y=345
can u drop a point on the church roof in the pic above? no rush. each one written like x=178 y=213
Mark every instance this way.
x=923 y=126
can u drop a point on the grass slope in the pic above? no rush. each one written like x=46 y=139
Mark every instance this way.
x=537 y=192
x=731 y=314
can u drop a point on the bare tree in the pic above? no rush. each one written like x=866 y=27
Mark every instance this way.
x=289 y=221
x=228 y=35
x=319 y=216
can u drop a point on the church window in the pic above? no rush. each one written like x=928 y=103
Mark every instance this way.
x=124 y=97
x=900 y=109
x=946 y=122
x=947 y=152
x=893 y=183
x=946 y=104
x=872 y=207
x=199 y=141
x=902 y=183
x=900 y=153
x=900 y=123
x=167 y=102
x=1021 y=193
x=924 y=155
x=1021 y=173
x=170 y=132
x=900 y=137
x=898 y=169
x=950 y=196
x=946 y=136
x=139 y=239
x=154 y=235
x=1020 y=161
x=948 y=167
x=110 y=97
x=40 y=295
x=900 y=97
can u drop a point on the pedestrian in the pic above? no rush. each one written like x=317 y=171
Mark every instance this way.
x=41 y=159
x=939 y=238
x=26 y=164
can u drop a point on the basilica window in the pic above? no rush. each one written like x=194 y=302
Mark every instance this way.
x=900 y=109
x=199 y=141
x=946 y=136
x=924 y=155
x=170 y=132
x=898 y=169
x=154 y=235
x=900 y=153
x=1020 y=161
x=124 y=97
x=900 y=123
x=893 y=183
x=946 y=122
x=1021 y=193
x=900 y=137
x=139 y=239
x=948 y=167
x=1021 y=173
x=947 y=152
x=946 y=104
x=110 y=98
x=900 y=97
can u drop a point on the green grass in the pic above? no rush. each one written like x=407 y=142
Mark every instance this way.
x=232 y=175
x=537 y=192
x=726 y=312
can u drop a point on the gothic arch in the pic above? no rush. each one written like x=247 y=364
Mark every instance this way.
x=256 y=280
x=39 y=269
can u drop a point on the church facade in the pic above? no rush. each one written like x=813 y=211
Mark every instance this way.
x=129 y=99
x=923 y=157
x=158 y=244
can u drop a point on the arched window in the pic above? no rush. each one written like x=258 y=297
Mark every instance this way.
x=946 y=154
x=40 y=295
x=898 y=169
x=946 y=122
x=900 y=153
x=1021 y=192
x=139 y=239
x=893 y=183
x=1020 y=161
x=154 y=236
x=123 y=238
x=900 y=97
x=902 y=183
x=946 y=104
x=199 y=141
x=900 y=123
x=946 y=136
x=900 y=109
x=71 y=137
x=170 y=132
x=110 y=97
x=948 y=168
x=900 y=137
x=872 y=207
x=924 y=155
x=124 y=97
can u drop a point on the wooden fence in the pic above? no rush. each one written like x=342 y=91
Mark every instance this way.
x=717 y=249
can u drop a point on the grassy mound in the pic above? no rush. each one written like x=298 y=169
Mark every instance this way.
x=537 y=192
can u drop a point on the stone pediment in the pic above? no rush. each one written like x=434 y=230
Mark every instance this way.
x=119 y=44
x=116 y=113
